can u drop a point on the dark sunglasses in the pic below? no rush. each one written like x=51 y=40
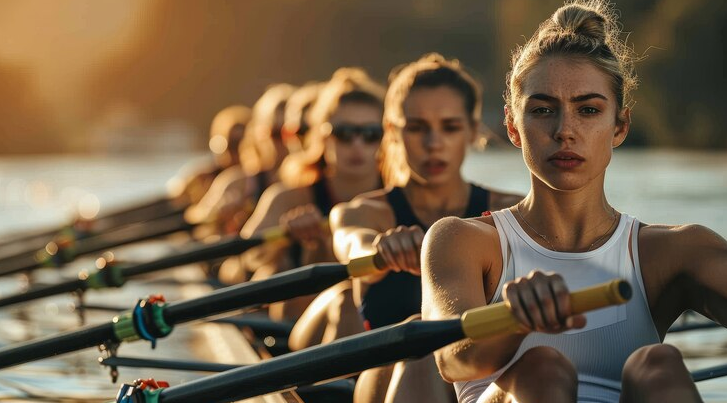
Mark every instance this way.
x=369 y=133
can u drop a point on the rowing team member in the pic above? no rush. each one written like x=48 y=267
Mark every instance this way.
x=567 y=107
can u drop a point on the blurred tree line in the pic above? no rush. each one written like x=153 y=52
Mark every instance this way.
x=189 y=58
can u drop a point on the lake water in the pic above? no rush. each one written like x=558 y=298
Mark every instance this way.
x=656 y=186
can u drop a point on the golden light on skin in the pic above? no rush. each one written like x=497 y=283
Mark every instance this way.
x=89 y=206
x=218 y=144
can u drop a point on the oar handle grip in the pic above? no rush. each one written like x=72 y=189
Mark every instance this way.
x=365 y=265
x=279 y=233
x=496 y=319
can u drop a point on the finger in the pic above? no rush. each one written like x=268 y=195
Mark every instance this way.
x=561 y=296
x=531 y=305
x=408 y=252
x=383 y=250
x=576 y=321
x=418 y=237
x=512 y=300
x=397 y=249
x=546 y=300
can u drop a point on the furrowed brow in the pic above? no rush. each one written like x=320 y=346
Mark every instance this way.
x=586 y=97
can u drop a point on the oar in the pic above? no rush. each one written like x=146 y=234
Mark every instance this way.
x=56 y=254
x=111 y=275
x=152 y=319
x=370 y=349
x=154 y=209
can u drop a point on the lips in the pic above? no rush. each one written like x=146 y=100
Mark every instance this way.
x=434 y=166
x=566 y=159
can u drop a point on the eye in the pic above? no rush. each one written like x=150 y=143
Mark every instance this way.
x=589 y=110
x=452 y=128
x=415 y=128
x=541 y=110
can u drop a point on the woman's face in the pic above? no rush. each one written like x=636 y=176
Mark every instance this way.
x=565 y=121
x=355 y=138
x=436 y=134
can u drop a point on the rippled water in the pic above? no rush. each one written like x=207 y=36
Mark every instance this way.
x=41 y=192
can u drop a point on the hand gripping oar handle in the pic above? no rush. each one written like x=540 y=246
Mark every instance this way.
x=495 y=319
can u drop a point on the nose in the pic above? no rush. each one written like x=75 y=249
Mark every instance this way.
x=565 y=129
x=433 y=139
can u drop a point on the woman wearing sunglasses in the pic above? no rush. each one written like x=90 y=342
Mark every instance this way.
x=338 y=162
x=234 y=192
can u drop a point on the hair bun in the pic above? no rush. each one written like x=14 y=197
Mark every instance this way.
x=582 y=20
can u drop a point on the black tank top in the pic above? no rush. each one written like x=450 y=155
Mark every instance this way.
x=399 y=295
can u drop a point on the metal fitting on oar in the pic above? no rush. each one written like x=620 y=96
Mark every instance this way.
x=495 y=319
x=144 y=321
x=141 y=391
x=58 y=252
x=108 y=275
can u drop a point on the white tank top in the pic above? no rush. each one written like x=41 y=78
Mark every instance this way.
x=599 y=350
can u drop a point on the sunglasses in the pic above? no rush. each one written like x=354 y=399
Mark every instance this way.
x=347 y=133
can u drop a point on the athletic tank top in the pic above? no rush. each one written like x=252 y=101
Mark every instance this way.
x=399 y=295
x=599 y=350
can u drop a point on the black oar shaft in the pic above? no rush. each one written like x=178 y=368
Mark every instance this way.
x=709 y=373
x=302 y=281
x=280 y=287
x=196 y=254
x=43 y=291
x=133 y=233
x=177 y=365
x=53 y=345
x=345 y=356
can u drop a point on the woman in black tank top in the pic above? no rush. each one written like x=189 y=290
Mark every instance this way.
x=337 y=161
x=431 y=116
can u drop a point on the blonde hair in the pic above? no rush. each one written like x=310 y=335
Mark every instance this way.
x=297 y=111
x=257 y=150
x=348 y=84
x=223 y=123
x=586 y=29
x=430 y=71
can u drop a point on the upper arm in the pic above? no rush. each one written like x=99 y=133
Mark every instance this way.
x=356 y=224
x=692 y=275
x=705 y=262
x=274 y=202
x=457 y=256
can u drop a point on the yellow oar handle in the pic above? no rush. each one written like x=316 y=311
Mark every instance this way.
x=365 y=265
x=278 y=233
x=496 y=319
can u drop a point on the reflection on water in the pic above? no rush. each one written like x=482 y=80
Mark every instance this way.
x=657 y=187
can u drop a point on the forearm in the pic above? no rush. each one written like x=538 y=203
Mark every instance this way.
x=468 y=359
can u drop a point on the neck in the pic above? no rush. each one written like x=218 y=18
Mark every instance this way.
x=346 y=187
x=574 y=221
x=431 y=203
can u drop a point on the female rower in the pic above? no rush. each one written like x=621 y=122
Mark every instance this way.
x=432 y=113
x=258 y=153
x=226 y=132
x=566 y=107
x=339 y=161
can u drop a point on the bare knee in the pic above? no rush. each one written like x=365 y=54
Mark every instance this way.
x=657 y=373
x=652 y=363
x=545 y=364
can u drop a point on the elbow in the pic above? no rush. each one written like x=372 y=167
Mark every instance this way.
x=461 y=363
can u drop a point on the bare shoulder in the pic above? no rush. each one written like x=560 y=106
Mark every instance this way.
x=681 y=241
x=366 y=210
x=274 y=202
x=466 y=241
